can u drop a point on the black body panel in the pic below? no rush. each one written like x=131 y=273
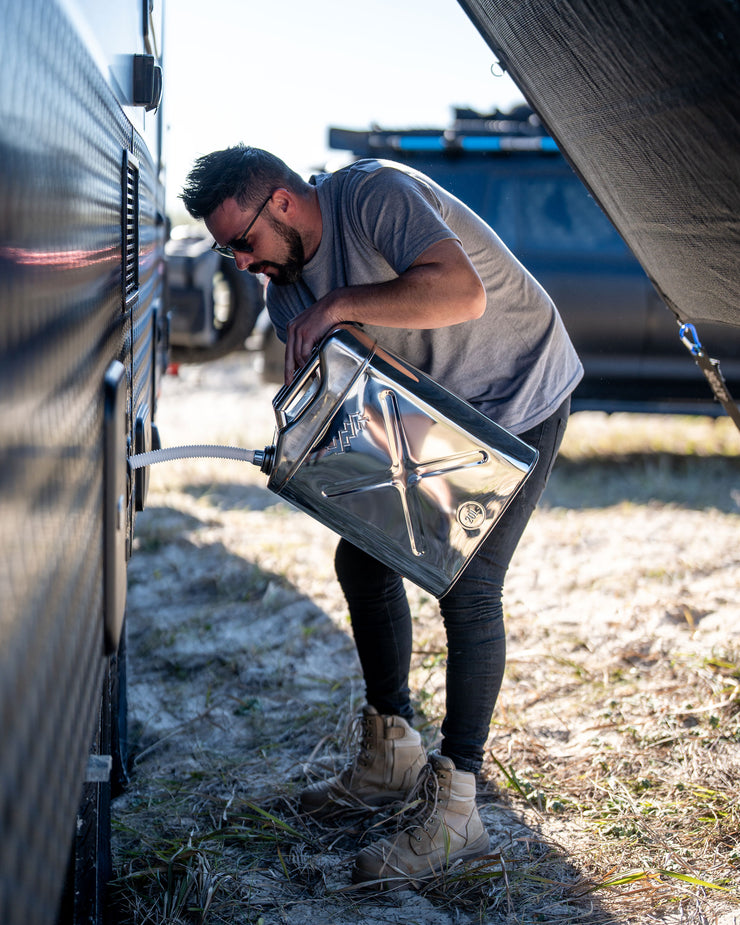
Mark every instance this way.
x=81 y=257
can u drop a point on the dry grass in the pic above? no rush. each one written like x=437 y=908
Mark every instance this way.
x=612 y=772
x=646 y=796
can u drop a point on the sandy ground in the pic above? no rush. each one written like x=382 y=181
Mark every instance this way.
x=240 y=659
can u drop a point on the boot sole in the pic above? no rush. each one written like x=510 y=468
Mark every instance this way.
x=479 y=847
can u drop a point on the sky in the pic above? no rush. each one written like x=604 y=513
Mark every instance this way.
x=277 y=73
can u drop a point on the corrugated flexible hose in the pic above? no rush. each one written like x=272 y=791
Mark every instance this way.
x=198 y=450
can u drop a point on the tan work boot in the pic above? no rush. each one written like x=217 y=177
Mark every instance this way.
x=385 y=769
x=444 y=827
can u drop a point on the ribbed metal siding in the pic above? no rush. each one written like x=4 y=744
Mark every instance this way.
x=63 y=319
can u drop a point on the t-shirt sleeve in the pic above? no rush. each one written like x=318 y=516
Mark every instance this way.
x=399 y=215
x=277 y=315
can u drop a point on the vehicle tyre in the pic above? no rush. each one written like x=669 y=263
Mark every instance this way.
x=237 y=301
x=273 y=357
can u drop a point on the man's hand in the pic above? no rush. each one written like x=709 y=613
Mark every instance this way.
x=305 y=331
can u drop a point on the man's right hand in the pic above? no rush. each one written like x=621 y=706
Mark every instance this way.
x=305 y=331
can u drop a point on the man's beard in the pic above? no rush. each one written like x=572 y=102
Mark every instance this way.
x=290 y=270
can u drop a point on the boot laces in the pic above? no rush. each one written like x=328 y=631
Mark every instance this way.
x=422 y=802
x=356 y=743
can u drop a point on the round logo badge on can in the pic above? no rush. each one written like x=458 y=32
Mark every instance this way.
x=471 y=515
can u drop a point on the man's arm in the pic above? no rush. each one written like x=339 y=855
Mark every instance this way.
x=440 y=288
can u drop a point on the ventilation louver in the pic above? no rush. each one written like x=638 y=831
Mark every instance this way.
x=130 y=221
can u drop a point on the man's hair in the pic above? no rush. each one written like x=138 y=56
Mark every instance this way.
x=245 y=174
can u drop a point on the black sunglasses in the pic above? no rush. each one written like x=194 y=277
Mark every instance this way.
x=240 y=243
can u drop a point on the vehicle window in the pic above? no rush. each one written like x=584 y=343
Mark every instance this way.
x=492 y=197
x=559 y=216
x=501 y=208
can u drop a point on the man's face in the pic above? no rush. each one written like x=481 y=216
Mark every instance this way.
x=259 y=241
x=289 y=268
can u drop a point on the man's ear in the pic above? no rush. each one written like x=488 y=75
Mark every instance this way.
x=283 y=200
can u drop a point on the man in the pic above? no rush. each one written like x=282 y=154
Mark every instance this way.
x=383 y=246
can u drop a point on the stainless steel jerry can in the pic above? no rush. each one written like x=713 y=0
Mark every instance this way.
x=384 y=456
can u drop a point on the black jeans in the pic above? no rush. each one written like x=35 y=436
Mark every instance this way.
x=472 y=612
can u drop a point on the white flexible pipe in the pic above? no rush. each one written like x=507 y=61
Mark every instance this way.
x=187 y=452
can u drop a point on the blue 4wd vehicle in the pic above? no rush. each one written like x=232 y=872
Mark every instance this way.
x=507 y=169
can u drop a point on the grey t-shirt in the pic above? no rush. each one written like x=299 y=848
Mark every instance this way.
x=515 y=363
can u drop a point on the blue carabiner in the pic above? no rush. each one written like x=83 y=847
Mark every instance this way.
x=690 y=339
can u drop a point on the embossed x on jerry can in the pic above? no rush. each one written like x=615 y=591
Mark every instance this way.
x=384 y=456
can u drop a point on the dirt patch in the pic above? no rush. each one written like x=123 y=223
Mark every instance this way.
x=612 y=771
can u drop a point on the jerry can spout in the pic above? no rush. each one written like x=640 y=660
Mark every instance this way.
x=264 y=459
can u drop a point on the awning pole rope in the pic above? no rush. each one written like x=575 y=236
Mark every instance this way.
x=710 y=368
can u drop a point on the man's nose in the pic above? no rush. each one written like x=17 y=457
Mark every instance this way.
x=243 y=261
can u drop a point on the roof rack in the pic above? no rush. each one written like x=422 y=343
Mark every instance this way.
x=472 y=131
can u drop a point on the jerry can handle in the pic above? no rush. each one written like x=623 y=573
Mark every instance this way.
x=293 y=398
